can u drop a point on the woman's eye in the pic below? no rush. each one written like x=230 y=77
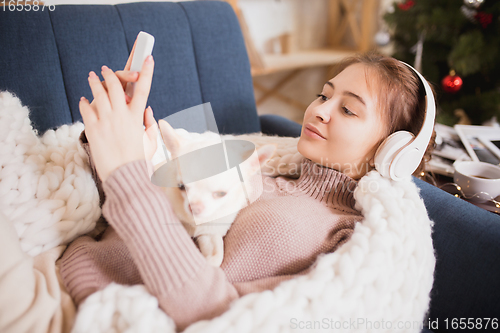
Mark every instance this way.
x=348 y=112
x=323 y=97
x=181 y=187
x=219 y=194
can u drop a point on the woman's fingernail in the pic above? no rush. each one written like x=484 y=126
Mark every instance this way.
x=83 y=98
x=149 y=59
x=92 y=75
x=104 y=68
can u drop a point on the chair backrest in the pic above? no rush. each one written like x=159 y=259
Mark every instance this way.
x=199 y=56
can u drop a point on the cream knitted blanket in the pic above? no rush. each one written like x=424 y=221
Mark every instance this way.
x=378 y=281
x=46 y=188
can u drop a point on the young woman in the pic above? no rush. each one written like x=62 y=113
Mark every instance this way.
x=276 y=238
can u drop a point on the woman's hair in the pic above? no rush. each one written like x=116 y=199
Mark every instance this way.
x=400 y=94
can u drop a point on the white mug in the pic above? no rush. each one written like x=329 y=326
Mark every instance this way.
x=479 y=181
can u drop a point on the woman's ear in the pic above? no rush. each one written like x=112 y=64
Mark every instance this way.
x=170 y=137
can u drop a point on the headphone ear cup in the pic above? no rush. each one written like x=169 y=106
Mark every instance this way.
x=388 y=150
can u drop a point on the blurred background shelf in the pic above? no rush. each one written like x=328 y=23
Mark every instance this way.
x=299 y=60
x=332 y=30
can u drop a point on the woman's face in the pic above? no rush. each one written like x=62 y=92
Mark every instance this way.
x=348 y=122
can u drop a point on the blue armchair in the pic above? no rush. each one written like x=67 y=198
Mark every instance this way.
x=200 y=57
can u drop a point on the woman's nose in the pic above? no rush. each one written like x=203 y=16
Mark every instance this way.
x=322 y=113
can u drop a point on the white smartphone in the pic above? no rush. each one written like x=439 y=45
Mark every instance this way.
x=143 y=48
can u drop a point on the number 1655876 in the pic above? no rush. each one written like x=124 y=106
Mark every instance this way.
x=26 y=5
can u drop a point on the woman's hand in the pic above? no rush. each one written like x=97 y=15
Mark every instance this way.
x=114 y=128
x=125 y=76
x=151 y=134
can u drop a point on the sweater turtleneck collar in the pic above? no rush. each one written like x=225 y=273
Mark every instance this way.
x=325 y=185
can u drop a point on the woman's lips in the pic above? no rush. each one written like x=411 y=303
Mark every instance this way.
x=312 y=132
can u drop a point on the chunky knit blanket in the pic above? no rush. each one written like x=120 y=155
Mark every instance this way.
x=46 y=188
x=380 y=280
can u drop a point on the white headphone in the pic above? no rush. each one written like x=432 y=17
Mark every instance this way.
x=401 y=153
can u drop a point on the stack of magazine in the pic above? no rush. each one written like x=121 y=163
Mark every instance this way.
x=464 y=143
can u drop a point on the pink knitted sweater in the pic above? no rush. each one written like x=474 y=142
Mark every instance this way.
x=278 y=237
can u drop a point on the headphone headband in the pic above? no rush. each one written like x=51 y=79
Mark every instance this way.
x=424 y=136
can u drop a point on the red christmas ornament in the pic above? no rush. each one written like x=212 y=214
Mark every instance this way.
x=452 y=83
x=484 y=18
x=407 y=5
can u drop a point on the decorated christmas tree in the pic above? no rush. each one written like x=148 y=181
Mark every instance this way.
x=456 y=44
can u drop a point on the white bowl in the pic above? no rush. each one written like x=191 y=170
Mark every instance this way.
x=479 y=181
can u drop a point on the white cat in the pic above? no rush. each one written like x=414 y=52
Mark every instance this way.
x=216 y=198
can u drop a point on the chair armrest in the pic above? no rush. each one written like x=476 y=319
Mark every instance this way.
x=466 y=240
x=277 y=125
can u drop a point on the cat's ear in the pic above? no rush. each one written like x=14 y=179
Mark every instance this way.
x=170 y=137
x=265 y=153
